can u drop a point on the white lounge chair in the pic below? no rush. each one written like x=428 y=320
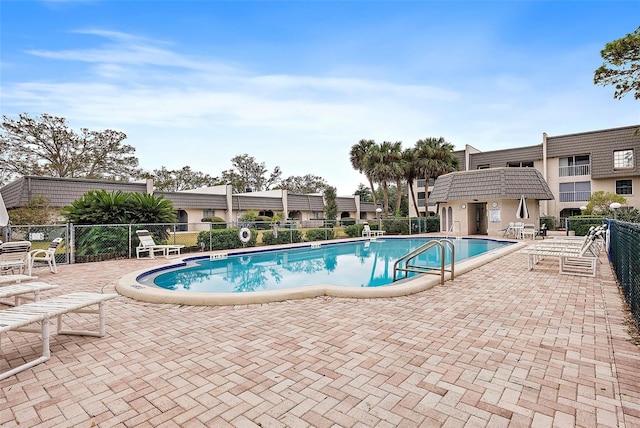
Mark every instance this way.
x=23 y=318
x=147 y=245
x=580 y=260
x=45 y=255
x=15 y=256
x=15 y=279
x=22 y=291
x=368 y=233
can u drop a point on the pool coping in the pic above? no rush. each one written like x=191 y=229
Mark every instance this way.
x=129 y=286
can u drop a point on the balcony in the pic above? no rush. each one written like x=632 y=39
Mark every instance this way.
x=572 y=170
x=575 y=196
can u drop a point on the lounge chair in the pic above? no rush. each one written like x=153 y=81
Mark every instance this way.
x=147 y=245
x=22 y=319
x=15 y=279
x=368 y=233
x=46 y=255
x=22 y=291
x=15 y=256
x=580 y=260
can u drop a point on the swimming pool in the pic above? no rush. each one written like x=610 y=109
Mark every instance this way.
x=360 y=268
x=348 y=264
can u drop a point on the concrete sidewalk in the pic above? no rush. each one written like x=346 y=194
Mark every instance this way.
x=499 y=346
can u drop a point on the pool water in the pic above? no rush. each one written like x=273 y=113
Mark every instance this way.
x=352 y=264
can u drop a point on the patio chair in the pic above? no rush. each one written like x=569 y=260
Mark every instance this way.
x=23 y=318
x=368 y=233
x=148 y=245
x=15 y=256
x=46 y=255
x=528 y=231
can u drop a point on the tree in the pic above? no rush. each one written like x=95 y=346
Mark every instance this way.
x=181 y=179
x=622 y=65
x=411 y=173
x=303 y=184
x=599 y=202
x=330 y=205
x=117 y=207
x=46 y=146
x=433 y=158
x=246 y=173
x=364 y=192
x=358 y=156
x=381 y=164
x=37 y=211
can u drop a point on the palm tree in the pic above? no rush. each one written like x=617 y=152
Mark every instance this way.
x=382 y=164
x=358 y=155
x=433 y=158
x=411 y=172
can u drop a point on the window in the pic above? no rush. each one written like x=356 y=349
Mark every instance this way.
x=623 y=159
x=208 y=213
x=421 y=182
x=573 y=192
x=526 y=164
x=484 y=166
x=575 y=165
x=624 y=187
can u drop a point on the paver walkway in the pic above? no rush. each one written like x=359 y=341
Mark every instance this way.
x=499 y=346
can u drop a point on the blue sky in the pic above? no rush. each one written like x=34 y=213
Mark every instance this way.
x=296 y=84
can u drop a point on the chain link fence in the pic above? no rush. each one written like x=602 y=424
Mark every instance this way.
x=624 y=247
x=93 y=243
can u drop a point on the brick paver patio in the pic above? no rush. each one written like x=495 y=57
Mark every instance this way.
x=499 y=346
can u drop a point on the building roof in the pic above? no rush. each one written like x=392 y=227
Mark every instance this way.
x=500 y=158
x=600 y=145
x=493 y=183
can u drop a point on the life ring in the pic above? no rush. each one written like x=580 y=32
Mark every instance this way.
x=244 y=234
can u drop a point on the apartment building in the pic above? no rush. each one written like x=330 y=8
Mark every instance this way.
x=574 y=166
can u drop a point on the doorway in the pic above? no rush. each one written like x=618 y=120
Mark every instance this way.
x=479 y=223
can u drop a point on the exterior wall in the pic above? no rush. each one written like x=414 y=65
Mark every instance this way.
x=464 y=216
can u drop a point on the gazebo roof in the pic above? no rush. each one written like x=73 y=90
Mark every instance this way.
x=492 y=183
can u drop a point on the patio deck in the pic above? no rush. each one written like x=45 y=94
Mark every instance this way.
x=499 y=346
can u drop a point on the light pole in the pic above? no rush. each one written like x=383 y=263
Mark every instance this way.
x=614 y=206
x=379 y=212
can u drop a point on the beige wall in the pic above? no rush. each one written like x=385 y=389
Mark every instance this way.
x=464 y=219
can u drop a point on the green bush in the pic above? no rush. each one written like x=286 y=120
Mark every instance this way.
x=549 y=221
x=581 y=224
x=319 y=234
x=224 y=239
x=348 y=221
x=216 y=222
x=393 y=226
x=284 y=237
x=354 y=231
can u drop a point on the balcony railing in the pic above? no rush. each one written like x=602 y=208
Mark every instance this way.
x=569 y=171
x=574 y=196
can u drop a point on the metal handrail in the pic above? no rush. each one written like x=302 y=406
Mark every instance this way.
x=408 y=258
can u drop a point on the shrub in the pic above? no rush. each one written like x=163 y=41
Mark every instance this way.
x=284 y=237
x=348 y=221
x=581 y=224
x=224 y=239
x=354 y=231
x=319 y=234
x=263 y=222
x=216 y=222
x=392 y=226
x=549 y=221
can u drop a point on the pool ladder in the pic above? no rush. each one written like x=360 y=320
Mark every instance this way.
x=405 y=264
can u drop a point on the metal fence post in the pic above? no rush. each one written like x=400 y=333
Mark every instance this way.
x=72 y=244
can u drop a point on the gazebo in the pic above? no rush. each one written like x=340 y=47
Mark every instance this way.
x=485 y=201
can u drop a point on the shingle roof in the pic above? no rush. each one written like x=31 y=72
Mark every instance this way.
x=600 y=145
x=493 y=183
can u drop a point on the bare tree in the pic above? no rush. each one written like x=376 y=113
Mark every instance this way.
x=47 y=146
